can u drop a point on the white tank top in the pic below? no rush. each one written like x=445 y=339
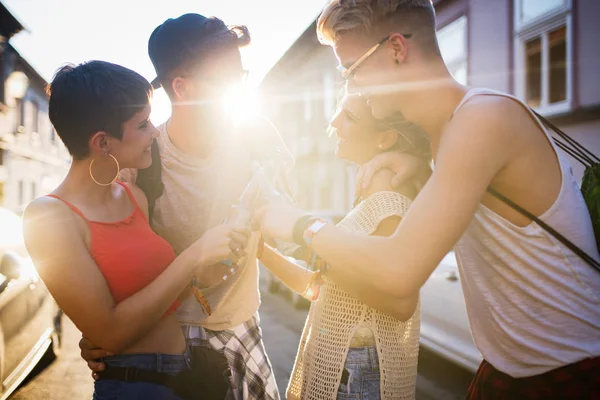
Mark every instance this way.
x=532 y=304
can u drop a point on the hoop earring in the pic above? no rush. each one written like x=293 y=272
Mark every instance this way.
x=114 y=179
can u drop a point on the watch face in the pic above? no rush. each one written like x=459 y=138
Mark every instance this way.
x=316 y=226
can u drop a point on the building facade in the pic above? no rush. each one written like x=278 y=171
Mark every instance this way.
x=545 y=52
x=299 y=96
x=33 y=160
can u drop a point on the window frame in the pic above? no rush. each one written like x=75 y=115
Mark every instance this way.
x=21 y=192
x=2 y=77
x=35 y=116
x=540 y=27
x=540 y=19
x=19 y=116
x=33 y=188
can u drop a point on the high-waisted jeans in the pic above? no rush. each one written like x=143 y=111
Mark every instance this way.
x=361 y=377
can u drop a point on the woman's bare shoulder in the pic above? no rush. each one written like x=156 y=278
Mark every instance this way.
x=382 y=182
x=47 y=208
x=47 y=217
x=138 y=193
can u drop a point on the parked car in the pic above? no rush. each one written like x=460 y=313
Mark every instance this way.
x=30 y=320
x=444 y=325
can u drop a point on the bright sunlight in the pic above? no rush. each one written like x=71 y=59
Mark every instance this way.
x=241 y=103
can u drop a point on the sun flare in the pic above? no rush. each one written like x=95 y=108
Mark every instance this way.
x=161 y=107
x=241 y=103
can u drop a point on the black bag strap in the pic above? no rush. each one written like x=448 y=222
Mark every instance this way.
x=581 y=154
x=150 y=180
x=570 y=245
x=570 y=145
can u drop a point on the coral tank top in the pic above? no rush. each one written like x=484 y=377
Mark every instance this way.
x=129 y=253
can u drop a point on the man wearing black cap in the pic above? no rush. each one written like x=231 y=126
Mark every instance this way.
x=202 y=170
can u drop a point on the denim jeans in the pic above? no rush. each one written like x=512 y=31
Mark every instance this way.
x=361 y=376
x=119 y=390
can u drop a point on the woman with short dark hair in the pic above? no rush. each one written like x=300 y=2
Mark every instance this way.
x=91 y=242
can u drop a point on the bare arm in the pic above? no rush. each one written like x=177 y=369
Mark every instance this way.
x=367 y=293
x=74 y=280
x=388 y=302
x=297 y=278
x=293 y=275
x=477 y=144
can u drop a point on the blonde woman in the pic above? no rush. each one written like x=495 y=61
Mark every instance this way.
x=355 y=345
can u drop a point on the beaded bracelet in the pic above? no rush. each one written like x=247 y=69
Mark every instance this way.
x=319 y=269
x=261 y=247
x=204 y=305
x=313 y=288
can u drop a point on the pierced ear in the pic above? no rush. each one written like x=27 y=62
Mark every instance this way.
x=100 y=142
x=399 y=47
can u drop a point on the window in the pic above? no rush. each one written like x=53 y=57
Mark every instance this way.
x=22 y=104
x=21 y=192
x=543 y=53
x=302 y=193
x=452 y=40
x=19 y=114
x=2 y=79
x=530 y=10
x=35 y=116
x=329 y=96
x=319 y=116
x=307 y=105
x=324 y=197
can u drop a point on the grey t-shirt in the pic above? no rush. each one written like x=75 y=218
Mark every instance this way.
x=198 y=194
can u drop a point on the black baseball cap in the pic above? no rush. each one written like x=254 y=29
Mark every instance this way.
x=176 y=41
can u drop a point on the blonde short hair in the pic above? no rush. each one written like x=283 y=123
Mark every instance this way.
x=343 y=16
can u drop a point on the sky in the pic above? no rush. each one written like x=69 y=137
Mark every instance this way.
x=60 y=31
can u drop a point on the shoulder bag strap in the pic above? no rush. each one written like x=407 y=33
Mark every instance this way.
x=570 y=245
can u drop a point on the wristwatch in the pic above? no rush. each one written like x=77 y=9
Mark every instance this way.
x=312 y=229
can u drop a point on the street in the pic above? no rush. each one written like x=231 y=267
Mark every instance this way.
x=69 y=378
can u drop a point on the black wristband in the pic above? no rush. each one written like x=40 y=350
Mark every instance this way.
x=299 y=227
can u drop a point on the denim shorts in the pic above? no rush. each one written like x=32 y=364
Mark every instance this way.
x=119 y=390
x=361 y=375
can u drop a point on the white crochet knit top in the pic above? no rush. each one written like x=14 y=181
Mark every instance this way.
x=335 y=316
